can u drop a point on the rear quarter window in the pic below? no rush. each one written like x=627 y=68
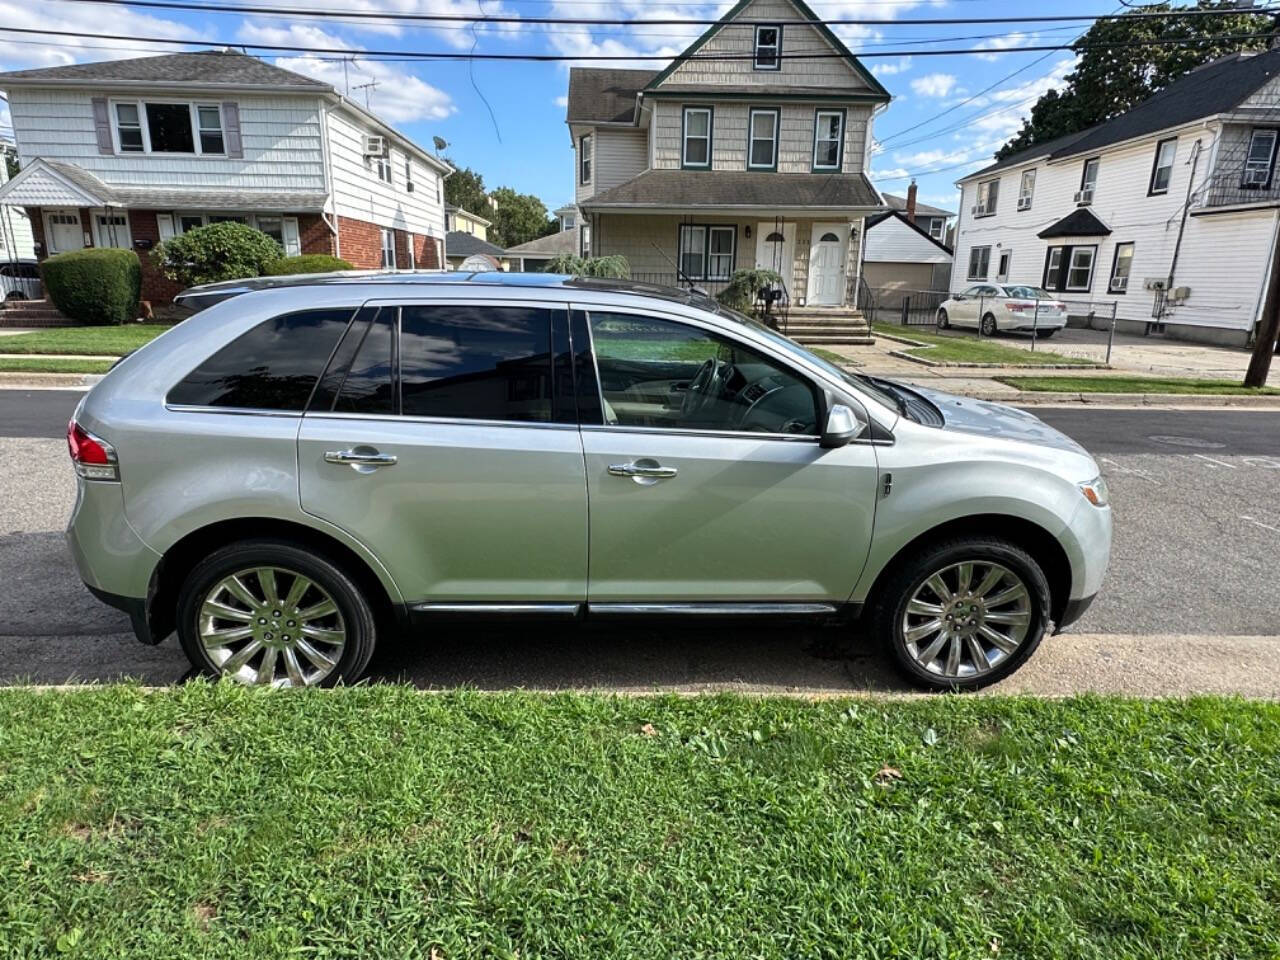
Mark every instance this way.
x=273 y=366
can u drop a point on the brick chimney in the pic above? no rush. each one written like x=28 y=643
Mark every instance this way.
x=911 y=203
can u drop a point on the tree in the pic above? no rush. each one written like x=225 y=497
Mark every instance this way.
x=220 y=251
x=11 y=164
x=465 y=188
x=1126 y=60
x=519 y=218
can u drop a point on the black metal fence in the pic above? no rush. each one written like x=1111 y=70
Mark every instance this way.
x=911 y=308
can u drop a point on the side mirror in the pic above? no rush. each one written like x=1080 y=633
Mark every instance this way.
x=842 y=426
x=958 y=297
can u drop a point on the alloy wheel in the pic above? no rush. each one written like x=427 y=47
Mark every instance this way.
x=966 y=619
x=271 y=625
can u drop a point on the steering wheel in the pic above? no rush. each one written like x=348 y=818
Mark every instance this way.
x=704 y=385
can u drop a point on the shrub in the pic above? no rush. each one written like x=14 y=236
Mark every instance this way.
x=744 y=286
x=615 y=267
x=95 y=286
x=307 y=263
x=220 y=251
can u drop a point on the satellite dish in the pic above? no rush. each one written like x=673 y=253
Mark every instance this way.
x=478 y=263
x=440 y=142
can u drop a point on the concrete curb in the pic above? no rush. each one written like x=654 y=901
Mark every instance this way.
x=923 y=361
x=48 y=381
x=1180 y=400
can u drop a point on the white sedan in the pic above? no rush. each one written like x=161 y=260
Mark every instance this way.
x=1004 y=306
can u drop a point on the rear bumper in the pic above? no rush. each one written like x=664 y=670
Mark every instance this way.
x=135 y=607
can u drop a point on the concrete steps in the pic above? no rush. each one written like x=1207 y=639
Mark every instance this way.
x=32 y=313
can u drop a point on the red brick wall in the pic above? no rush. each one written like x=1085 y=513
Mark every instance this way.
x=315 y=234
x=156 y=287
x=426 y=252
x=402 y=249
x=360 y=243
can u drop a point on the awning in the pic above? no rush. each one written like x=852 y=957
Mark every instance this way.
x=1080 y=222
x=682 y=190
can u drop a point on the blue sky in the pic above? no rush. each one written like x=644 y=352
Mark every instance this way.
x=525 y=143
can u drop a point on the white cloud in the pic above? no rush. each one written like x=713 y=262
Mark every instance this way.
x=889 y=68
x=892 y=173
x=1010 y=41
x=457 y=34
x=934 y=84
x=400 y=96
x=934 y=158
x=19 y=52
x=562 y=101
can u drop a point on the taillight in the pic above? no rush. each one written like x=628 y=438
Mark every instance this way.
x=93 y=457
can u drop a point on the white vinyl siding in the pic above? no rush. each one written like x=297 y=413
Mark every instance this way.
x=620 y=155
x=892 y=241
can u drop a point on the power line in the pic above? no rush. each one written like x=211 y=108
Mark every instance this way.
x=312 y=14
x=404 y=56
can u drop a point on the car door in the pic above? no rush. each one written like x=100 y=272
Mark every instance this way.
x=433 y=438
x=706 y=481
x=966 y=312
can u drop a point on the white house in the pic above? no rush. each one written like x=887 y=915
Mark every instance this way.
x=1170 y=211
x=749 y=149
x=901 y=258
x=16 y=239
x=128 y=153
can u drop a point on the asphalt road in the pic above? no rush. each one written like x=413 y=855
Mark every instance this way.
x=1197 y=502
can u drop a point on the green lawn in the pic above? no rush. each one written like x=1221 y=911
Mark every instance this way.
x=839 y=359
x=53 y=365
x=967 y=348
x=214 y=821
x=1136 y=385
x=105 y=341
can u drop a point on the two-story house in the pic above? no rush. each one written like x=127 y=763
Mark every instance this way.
x=749 y=149
x=932 y=220
x=1170 y=211
x=129 y=153
x=16 y=240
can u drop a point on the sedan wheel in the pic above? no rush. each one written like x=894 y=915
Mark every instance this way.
x=966 y=619
x=271 y=625
x=989 y=325
x=943 y=320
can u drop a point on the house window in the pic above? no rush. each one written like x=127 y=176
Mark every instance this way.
x=720 y=242
x=584 y=236
x=1002 y=271
x=409 y=250
x=1088 y=181
x=763 y=152
x=768 y=47
x=1069 y=268
x=696 y=149
x=979 y=262
x=584 y=158
x=408 y=175
x=1162 y=169
x=693 y=242
x=1121 y=265
x=988 y=194
x=152 y=127
x=828 y=139
x=1260 y=161
x=383 y=166
x=1026 y=189
x=706 y=252
x=190 y=221
x=937 y=227
x=388 y=249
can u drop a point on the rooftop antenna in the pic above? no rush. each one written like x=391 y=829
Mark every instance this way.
x=441 y=144
x=366 y=87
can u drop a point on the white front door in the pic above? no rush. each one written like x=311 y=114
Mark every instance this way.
x=111 y=229
x=826 y=264
x=776 y=249
x=62 y=231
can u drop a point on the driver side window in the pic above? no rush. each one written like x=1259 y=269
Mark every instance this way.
x=659 y=373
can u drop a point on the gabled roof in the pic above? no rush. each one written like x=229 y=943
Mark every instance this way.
x=881 y=218
x=454 y=208
x=816 y=23
x=203 y=67
x=728 y=190
x=900 y=203
x=459 y=243
x=1217 y=87
x=1080 y=222
x=553 y=244
x=604 y=96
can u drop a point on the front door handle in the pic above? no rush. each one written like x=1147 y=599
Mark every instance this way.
x=361 y=457
x=642 y=468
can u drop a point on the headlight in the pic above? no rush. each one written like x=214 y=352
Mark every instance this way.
x=1096 y=492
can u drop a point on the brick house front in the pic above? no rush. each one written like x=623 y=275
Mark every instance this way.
x=133 y=152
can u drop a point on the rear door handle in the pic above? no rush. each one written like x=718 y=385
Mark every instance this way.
x=361 y=458
x=647 y=468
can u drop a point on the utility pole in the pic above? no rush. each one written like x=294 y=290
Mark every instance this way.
x=1269 y=328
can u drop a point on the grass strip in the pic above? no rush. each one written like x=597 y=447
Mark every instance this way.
x=52 y=365
x=1075 y=384
x=967 y=348
x=215 y=821
x=107 y=341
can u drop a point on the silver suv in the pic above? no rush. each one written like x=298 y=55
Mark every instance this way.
x=308 y=466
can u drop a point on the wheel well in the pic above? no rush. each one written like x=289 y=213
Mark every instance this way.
x=1031 y=537
x=181 y=558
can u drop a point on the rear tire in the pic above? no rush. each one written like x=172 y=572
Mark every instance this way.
x=994 y=621
x=944 y=322
x=273 y=612
x=989 y=327
x=1045 y=334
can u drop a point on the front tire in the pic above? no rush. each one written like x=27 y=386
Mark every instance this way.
x=989 y=325
x=962 y=614
x=273 y=613
x=944 y=322
x=1046 y=334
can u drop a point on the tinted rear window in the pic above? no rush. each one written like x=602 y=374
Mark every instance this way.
x=476 y=363
x=274 y=366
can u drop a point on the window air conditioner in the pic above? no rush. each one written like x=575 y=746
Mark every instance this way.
x=1084 y=196
x=375 y=146
x=1024 y=203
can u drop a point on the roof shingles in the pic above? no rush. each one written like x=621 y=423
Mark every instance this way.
x=206 y=67
x=723 y=188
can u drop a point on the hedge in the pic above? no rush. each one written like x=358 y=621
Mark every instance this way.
x=307 y=263
x=220 y=251
x=95 y=286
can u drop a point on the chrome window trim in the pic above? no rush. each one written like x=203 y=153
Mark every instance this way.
x=442 y=421
x=552 y=608
x=687 y=432
x=235 y=411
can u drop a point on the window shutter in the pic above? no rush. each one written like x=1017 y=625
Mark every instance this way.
x=102 y=123
x=231 y=123
x=164 y=224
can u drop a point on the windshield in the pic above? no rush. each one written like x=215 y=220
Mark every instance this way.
x=865 y=384
x=1029 y=293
